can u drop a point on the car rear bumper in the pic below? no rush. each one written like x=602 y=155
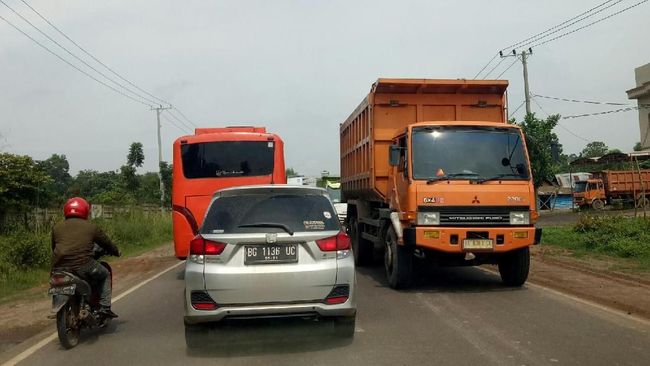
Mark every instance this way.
x=450 y=239
x=315 y=309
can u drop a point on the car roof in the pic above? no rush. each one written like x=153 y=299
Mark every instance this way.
x=270 y=188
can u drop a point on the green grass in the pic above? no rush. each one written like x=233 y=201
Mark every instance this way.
x=25 y=255
x=613 y=236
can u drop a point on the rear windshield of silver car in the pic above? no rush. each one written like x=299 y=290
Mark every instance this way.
x=270 y=213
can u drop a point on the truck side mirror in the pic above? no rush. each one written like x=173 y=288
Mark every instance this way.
x=393 y=155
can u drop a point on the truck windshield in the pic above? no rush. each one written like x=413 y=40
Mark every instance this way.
x=334 y=193
x=227 y=159
x=468 y=152
x=580 y=187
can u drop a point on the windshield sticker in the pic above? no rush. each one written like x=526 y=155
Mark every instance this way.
x=270 y=144
x=314 y=225
x=327 y=215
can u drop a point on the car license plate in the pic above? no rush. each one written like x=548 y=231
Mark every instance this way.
x=63 y=290
x=478 y=244
x=270 y=253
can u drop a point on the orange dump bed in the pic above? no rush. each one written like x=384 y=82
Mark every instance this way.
x=624 y=181
x=391 y=106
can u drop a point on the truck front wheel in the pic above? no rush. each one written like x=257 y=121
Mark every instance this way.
x=362 y=249
x=514 y=266
x=398 y=261
x=598 y=204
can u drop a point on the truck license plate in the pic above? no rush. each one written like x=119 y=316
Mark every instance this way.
x=478 y=244
x=270 y=253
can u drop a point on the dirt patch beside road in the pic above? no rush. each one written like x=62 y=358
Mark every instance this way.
x=24 y=318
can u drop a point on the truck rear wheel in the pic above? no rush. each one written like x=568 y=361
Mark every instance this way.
x=398 y=261
x=514 y=267
x=362 y=249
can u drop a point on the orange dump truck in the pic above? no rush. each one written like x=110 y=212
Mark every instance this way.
x=431 y=169
x=606 y=186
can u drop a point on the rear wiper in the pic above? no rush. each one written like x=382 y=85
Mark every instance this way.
x=497 y=177
x=269 y=224
x=452 y=175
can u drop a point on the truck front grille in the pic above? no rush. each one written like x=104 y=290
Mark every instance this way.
x=474 y=215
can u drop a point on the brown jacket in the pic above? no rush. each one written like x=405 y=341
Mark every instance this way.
x=73 y=240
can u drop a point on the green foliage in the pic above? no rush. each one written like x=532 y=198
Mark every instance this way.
x=539 y=139
x=638 y=147
x=20 y=182
x=55 y=192
x=136 y=155
x=595 y=149
x=290 y=173
x=136 y=231
x=618 y=236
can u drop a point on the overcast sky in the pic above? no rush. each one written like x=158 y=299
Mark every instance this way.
x=297 y=67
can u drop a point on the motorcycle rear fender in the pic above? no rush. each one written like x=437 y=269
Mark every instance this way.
x=58 y=301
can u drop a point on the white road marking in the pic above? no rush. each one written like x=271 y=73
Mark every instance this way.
x=31 y=350
x=596 y=305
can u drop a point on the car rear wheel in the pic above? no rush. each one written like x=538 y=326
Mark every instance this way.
x=362 y=249
x=398 y=261
x=514 y=267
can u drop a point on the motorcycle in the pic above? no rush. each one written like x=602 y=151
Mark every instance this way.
x=76 y=303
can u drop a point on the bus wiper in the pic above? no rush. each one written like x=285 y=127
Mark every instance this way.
x=497 y=177
x=269 y=224
x=447 y=176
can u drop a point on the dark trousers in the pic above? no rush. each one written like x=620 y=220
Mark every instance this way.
x=98 y=277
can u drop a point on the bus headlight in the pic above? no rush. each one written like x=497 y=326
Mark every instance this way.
x=428 y=218
x=520 y=218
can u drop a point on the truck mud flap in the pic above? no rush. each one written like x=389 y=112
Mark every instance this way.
x=409 y=237
x=538 y=236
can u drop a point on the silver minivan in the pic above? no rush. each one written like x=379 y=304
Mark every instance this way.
x=269 y=251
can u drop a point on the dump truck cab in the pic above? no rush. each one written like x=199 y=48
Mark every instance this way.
x=590 y=192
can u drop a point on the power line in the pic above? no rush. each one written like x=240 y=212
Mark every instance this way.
x=508 y=68
x=589 y=25
x=72 y=65
x=602 y=113
x=559 y=124
x=93 y=57
x=169 y=112
x=566 y=24
x=494 y=68
x=581 y=101
x=77 y=57
x=486 y=65
x=184 y=130
x=184 y=116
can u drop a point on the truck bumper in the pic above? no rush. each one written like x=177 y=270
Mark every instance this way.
x=451 y=239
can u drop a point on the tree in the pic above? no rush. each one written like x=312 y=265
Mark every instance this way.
x=595 y=149
x=55 y=192
x=20 y=183
x=539 y=139
x=136 y=155
x=638 y=147
x=290 y=173
x=166 y=172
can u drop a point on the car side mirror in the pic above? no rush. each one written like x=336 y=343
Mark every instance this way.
x=393 y=155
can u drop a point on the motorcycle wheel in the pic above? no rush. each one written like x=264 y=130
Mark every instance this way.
x=66 y=326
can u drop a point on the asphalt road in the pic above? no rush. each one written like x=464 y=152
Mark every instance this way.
x=461 y=316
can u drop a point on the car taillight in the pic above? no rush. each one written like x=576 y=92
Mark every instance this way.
x=202 y=301
x=338 y=295
x=201 y=246
x=340 y=241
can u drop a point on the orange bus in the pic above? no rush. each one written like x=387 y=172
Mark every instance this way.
x=217 y=158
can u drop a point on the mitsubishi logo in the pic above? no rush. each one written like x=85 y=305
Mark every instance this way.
x=476 y=200
x=271 y=238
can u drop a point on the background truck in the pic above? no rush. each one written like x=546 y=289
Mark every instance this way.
x=432 y=169
x=627 y=185
x=333 y=187
x=214 y=159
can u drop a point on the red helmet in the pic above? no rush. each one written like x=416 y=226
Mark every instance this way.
x=76 y=207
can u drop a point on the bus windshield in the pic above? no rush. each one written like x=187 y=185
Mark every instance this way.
x=227 y=159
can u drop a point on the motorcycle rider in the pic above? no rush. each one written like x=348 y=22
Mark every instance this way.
x=73 y=240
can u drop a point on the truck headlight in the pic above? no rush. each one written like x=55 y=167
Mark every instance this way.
x=520 y=218
x=428 y=218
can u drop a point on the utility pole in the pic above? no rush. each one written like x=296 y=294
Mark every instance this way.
x=523 y=56
x=159 y=110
